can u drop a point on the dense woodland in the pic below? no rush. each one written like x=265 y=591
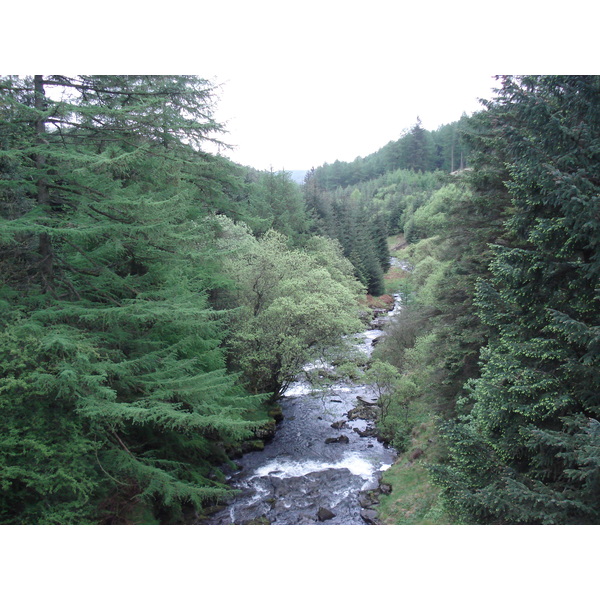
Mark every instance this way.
x=157 y=299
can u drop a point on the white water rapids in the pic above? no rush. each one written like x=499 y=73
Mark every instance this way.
x=321 y=458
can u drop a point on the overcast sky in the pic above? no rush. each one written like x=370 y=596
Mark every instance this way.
x=310 y=82
x=296 y=120
x=304 y=83
x=314 y=82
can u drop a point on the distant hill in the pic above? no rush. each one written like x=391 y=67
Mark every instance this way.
x=445 y=149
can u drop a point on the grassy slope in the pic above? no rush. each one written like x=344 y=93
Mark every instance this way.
x=414 y=500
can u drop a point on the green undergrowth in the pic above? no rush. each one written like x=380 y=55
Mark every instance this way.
x=395 y=278
x=414 y=499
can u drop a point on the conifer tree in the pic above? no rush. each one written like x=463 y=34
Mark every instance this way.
x=528 y=450
x=318 y=206
x=354 y=231
x=277 y=200
x=379 y=237
x=115 y=395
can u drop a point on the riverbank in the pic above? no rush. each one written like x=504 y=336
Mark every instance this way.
x=324 y=463
x=401 y=494
x=412 y=498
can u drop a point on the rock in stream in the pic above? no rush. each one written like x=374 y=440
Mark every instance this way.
x=322 y=456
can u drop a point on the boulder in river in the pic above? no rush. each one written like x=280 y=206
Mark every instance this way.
x=324 y=514
x=342 y=439
x=369 y=516
x=366 y=499
x=363 y=411
x=368 y=432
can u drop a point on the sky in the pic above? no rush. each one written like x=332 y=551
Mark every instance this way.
x=304 y=83
x=297 y=122
x=318 y=82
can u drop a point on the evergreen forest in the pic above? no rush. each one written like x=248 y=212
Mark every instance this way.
x=157 y=300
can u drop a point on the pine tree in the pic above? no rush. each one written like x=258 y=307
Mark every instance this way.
x=280 y=204
x=418 y=149
x=318 y=206
x=355 y=233
x=379 y=237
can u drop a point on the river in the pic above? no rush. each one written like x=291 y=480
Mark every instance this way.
x=324 y=458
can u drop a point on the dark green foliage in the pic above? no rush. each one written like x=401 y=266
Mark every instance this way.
x=319 y=206
x=379 y=235
x=452 y=150
x=536 y=403
x=361 y=242
x=114 y=388
x=362 y=235
x=276 y=202
x=446 y=149
x=418 y=150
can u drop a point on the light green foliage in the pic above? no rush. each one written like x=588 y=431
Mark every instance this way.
x=431 y=218
x=362 y=217
x=429 y=247
x=429 y=276
x=417 y=371
x=292 y=304
x=398 y=387
x=398 y=194
x=385 y=378
x=435 y=340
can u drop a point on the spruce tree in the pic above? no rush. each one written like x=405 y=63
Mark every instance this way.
x=278 y=202
x=535 y=408
x=361 y=246
x=379 y=237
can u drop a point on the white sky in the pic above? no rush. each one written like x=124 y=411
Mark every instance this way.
x=303 y=83
x=312 y=82
x=293 y=121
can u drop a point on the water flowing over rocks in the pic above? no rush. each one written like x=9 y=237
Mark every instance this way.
x=324 y=463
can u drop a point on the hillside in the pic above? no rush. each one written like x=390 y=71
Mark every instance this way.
x=161 y=303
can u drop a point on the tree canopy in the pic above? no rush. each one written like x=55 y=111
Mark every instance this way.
x=157 y=297
x=291 y=304
x=153 y=296
x=115 y=393
x=536 y=404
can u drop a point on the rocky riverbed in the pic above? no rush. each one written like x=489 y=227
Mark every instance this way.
x=324 y=464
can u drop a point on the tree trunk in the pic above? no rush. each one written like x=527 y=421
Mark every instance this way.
x=43 y=196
